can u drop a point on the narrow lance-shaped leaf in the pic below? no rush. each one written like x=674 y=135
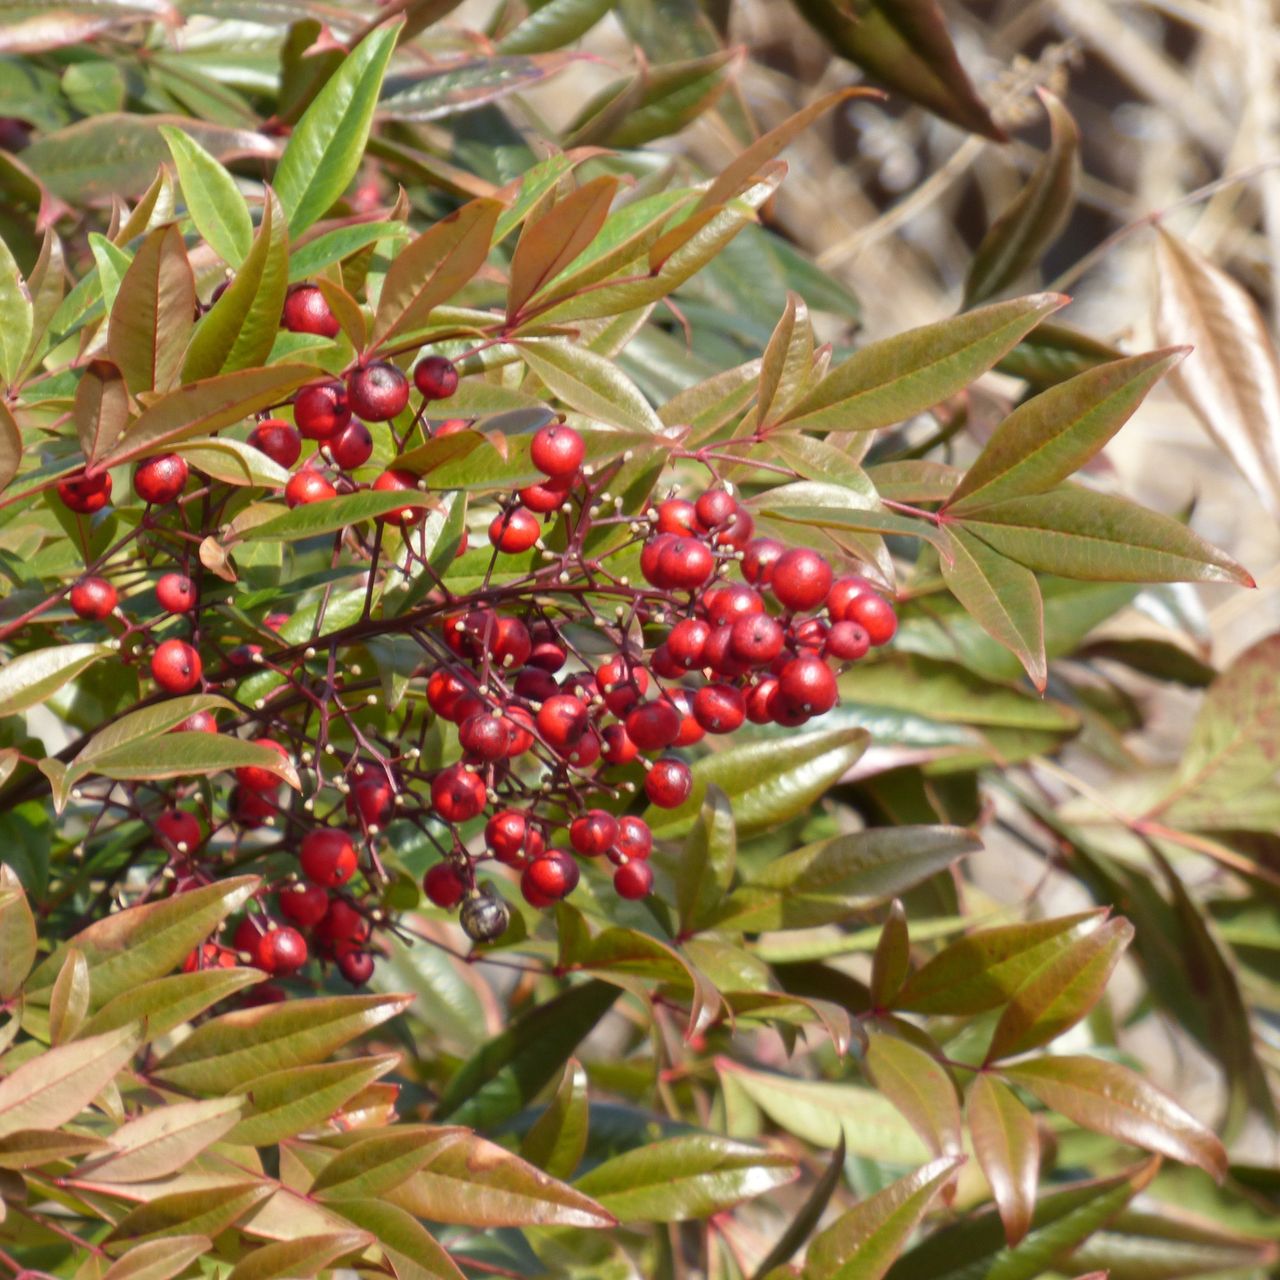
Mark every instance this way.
x=301 y=1258
x=802 y=1224
x=159 y=1259
x=589 y=383
x=101 y=407
x=32 y=677
x=891 y=961
x=213 y=200
x=788 y=362
x=410 y=1248
x=704 y=868
x=553 y=25
x=16 y=317
x=919 y=1086
x=10 y=446
x=69 y=1001
x=161 y=1141
x=1021 y=234
x=1007 y=1144
x=558 y=1137
x=17 y=934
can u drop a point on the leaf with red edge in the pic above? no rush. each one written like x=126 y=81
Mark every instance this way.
x=1007 y=1144
x=1111 y=1099
x=101 y=407
x=921 y=1089
x=10 y=446
x=892 y=959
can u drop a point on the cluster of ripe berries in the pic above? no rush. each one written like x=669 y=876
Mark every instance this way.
x=727 y=628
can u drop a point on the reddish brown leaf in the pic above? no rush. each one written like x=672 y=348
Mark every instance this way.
x=1007 y=1145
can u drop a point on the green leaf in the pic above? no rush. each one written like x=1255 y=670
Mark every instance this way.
x=984 y=970
x=1050 y=437
x=31 y=678
x=339 y=244
x=432 y=268
x=213 y=200
x=17 y=935
x=863 y=1244
x=56 y=1086
x=1003 y=597
x=380 y=1163
x=152 y=315
x=589 y=383
x=704 y=867
x=802 y=1224
x=891 y=961
x=553 y=25
x=899 y=377
x=300 y=1258
x=1019 y=237
x=467 y=84
x=147 y=723
x=677 y=1179
x=165 y=1003
x=919 y=1086
x=17 y=317
x=768 y=781
x=208 y=1211
x=161 y=1141
x=509 y=1071
x=1060 y=992
x=410 y=1248
x=205 y=407
x=334 y=513
x=10 y=447
x=1111 y=1099
x=1007 y=1144
x=905 y=45
x=232 y=462
x=557 y=1139
x=238 y=1048
x=286 y=1103
x=327 y=144
x=159 y=1260
x=788 y=363
x=101 y=408
x=69 y=1001
x=1077 y=533
x=1053 y=352
x=240 y=328
x=112 y=263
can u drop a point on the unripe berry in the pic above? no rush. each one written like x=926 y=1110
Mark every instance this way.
x=759 y=557
x=278 y=440
x=307 y=311
x=436 y=378
x=282 y=951
x=801 y=579
x=85 y=494
x=484 y=917
x=176 y=666
x=808 y=682
x=549 y=878
x=328 y=858
x=557 y=450
x=514 y=531
x=562 y=720
x=304 y=904
x=352 y=447
x=176 y=593
x=457 y=794
x=669 y=783
x=400 y=481
x=307 y=486
x=356 y=967
x=377 y=392
x=719 y=708
x=546 y=497
x=653 y=725
x=160 y=480
x=592 y=833
x=443 y=886
x=93 y=599
x=256 y=778
x=633 y=880
x=876 y=615
x=321 y=410
x=634 y=839
x=847 y=642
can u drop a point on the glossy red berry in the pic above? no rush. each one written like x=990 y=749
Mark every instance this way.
x=844 y=591
x=810 y=633
x=328 y=858
x=758 y=559
x=808 y=683
x=736 y=533
x=687 y=642
x=633 y=880
x=278 y=440
x=321 y=410
x=684 y=565
x=304 y=904
x=85 y=494
x=160 y=480
x=436 y=378
x=443 y=886
x=484 y=736
x=181 y=829
x=617 y=746
x=653 y=725
x=282 y=951
x=622 y=683
x=715 y=507
x=251 y=808
x=562 y=720
x=676 y=515
x=377 y=392
x=719 y=708
x=356 y=967
x=634 y=838
x=399 y=481
x=307 y=486
x=93 y=599
x=756 y=640
x=457 y=794
x=592 y=833
x=199 y=722
x=248 y=939
x=515 y=530
x=759 y=709
x=557 y=450
x=847 y=642
x=176 y=593
x=691 y=731
x=801 y=579
x=176 y=666
x=307 y=311
x=536 y=685
x=725 y=605
x=876 y=615
x=352 y=447
x=210 y=956
x=546 y=497
x=446 y=690
x=255 y=777
x=343 y=927
x=371 y=801
x=510 y=643
x=663 y=664
x=719 y=655
x=669 y=783
x=549 y=878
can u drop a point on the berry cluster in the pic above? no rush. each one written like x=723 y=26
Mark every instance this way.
x=569 y=684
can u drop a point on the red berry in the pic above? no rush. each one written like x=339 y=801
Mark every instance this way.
x=536 y=685
x=719 y=708
x=328 y=857
x=484 y=736
x=548 y=652
x=756 y=640
x=801 y=579
x=562 y=720
x=243 y=655
x=876 y=615
x=377 y=392
x=514 y=531
x=176 y=666
x=510 y=643
x=182 y=830
x=304 y=904
x=546 y=497
x=663 y=664
x=356 y=967
x=282 y=951
x=210 y=956
x=592 y=833
x=85 y=494
x=549 y=878
x=759 y=557
x=808 y=683
x=307 y=311
x=371 y=801
x=634 y=839
x=399 y=481
x=715 y=507
x=783 y=711
x=759 y=709
x=352 y=447
x=512 y=838
x=844 y=591
x=307 y=486
x=622 y=683
x=321 y=410
x=436 y=378
x=737 y=532
x=160 y=480
x=719 y=654
x=691 y=731
x=557 y=450
x=445 y=691
x=684 y=565
x=669 y=783
x=278 y=440
x=443 y=886
x=93 y=599
x=343 y=927
x=618 y=747
x=633 y=880
x=457 y=794
x=688 y=642
x=586 y=751
x=256 y=778
x=675 y=515
x=251 y=808
x=725 y=605
x=199 y=722
x=248 y=939
x=847 y=641
x=653 y=725
x=176 y=593
x=809 y=634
